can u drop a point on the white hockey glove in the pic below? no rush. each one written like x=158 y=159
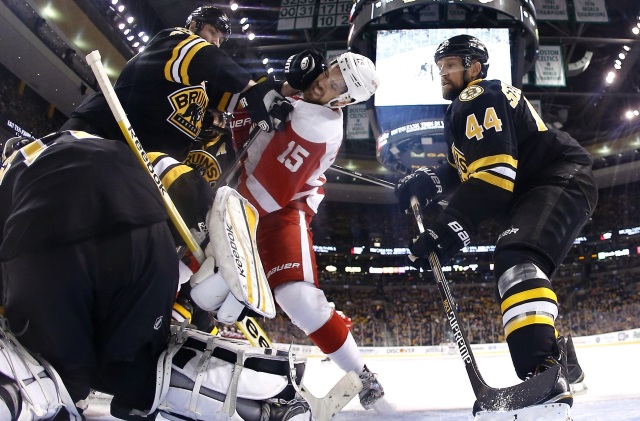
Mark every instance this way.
x=212 y=293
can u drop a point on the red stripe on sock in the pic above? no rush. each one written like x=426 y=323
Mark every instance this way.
x=331 y=335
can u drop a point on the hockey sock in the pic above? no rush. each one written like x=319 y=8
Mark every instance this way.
x=335 y=340
x=529 y=308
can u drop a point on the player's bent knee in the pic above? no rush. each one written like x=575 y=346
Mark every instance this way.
x=305 y=304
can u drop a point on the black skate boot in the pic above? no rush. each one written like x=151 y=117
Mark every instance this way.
x=371 y=388
x=575 y=373
x=297 y=410
x=10 y=396
x=561 y=392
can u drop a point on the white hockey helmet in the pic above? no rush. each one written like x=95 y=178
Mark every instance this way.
x=359 y=74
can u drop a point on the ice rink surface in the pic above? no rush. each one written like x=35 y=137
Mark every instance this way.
x=437 y=387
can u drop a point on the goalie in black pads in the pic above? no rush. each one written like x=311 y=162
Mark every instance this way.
x=90 y=272
x=504 y=164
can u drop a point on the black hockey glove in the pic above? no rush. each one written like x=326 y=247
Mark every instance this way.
x=303 y=68
x=265 y=105
x=423 y=183
x=445 y=237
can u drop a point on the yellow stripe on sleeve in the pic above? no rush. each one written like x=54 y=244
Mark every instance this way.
x=186 y=61
x=493 y=180
x=174 y=56
x=173 y=174
x=491 y=161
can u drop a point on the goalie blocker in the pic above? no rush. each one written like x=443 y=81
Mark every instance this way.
x=199 y=376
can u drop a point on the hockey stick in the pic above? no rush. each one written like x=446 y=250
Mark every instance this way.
x=373 y=180
x=249 y=327
x=527 y=393
x=237 y=163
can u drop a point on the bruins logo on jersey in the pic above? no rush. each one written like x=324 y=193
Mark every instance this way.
x=204 y=164
x=461 y=163
x=471 y=92
x=189 y=105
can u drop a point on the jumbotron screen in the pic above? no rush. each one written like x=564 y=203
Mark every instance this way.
x=404 y=61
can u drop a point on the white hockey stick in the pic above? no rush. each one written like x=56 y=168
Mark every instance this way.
x=251 y=329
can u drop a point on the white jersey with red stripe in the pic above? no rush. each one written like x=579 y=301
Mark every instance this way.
x=289 y=165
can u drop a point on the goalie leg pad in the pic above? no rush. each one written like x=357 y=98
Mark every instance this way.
x=200 y=375
x=42 y=393
x=232 y=224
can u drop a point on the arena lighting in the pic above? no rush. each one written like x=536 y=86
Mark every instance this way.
x=114 y=2
x=145 y=38
x=243 y=21
x=635 y=30
x=251 y=36
x=331 y=268
x=265 y=60
x=130 y=19
x=121 y=26
x=121 y=8
x=616 y=253
x=234 y=6
x=270 y=70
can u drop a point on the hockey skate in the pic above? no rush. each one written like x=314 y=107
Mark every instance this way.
x=371 y=388
x=575 y=373
x=297 y=410
x=558 y=401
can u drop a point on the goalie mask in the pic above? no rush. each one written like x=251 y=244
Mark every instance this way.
x=360 y=77
x=466 y=47
x=213 y=16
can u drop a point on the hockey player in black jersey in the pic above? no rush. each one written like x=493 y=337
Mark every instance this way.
x=167 y=88
x=90 y=272
x=504 y=164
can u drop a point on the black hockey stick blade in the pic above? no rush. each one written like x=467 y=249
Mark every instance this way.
x=534 y=391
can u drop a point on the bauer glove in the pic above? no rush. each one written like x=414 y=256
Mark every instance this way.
x=445 y=237
x=303 y=68
x=424 y=184
x=266 y=105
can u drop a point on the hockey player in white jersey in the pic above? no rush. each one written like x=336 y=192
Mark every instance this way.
x=283 y=176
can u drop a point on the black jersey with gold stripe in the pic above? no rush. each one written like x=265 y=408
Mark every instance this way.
x=166 y=89
x=190 y=192
x=500 y=147
x=70 y=186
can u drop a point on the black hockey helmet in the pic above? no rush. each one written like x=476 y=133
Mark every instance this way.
x=466 y=47
x=212 y=15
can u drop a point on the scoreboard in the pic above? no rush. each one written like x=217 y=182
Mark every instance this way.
x=311 y=14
